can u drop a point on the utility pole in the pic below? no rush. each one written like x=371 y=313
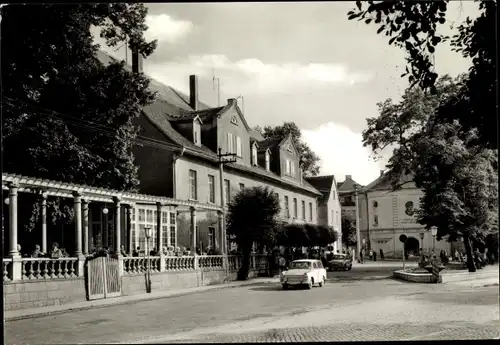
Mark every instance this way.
x=224 y=159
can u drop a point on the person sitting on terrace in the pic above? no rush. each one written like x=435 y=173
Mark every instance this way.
x=55 y=252
x=136 y=251
x=153 y=252
x=122 y=251
x=37 y=253
x=64 y=253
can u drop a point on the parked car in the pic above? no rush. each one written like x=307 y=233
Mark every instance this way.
x=340 y=262
x=305 y=272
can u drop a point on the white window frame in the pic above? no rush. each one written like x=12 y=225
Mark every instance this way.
x=211 y=189
x=193 y=185
x=242 y=186
x=230 y=143
x=268 y=161
x=254 y=154
x=197 y=133
x=227 y=190
x=287 y=167
x=295 y=208
x=239 y=150
x=287 y=207
x=211 y=237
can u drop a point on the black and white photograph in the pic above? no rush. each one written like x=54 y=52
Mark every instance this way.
x=249 y=172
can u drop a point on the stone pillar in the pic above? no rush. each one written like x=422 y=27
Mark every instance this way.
x=77 y=200
x=220 y=235
x=43 y=205
x=85 y=209
x=15 y=271
x=193 y=230
x=13 y=188
x=129 y=228
x=117 y=233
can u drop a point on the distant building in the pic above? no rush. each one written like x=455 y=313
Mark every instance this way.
x=329 y=209
x=391 y=214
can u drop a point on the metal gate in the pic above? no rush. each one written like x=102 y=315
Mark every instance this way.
x=103 y=278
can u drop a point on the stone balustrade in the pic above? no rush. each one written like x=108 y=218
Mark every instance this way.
x=65 y=268
x=46 y=268
x=139 y=265
x=7 y=263
x=180 y=263
x=211 y=261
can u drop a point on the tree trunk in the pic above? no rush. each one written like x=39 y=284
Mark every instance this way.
x=245 y=264
x=470 y=258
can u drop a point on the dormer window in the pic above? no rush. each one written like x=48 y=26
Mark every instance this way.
x=254 y=154
x=289 y=168
x=197 y=133
x=268 y=165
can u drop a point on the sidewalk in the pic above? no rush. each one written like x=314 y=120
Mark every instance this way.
x=101 y=303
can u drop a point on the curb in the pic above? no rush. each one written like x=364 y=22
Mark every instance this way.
x=123 y=302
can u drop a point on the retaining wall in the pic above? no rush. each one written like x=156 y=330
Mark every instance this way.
x=26 y=294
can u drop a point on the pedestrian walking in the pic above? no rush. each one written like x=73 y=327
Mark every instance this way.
x=371 y=255
x=381 y=254
x=374 y=256
x=282 y=264
x=361 y=259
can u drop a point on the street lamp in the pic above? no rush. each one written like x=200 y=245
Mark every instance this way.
x=148 y=233
x=105 y=210
x=434 y=231
x=6 y=201
x=358 y=235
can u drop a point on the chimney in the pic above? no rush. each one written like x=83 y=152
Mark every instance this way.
x=231 y=101
x=348 y=177
x=136 y=62
x=193 y=92
x=381 y=172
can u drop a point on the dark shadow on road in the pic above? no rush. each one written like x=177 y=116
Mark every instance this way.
x=276 y=288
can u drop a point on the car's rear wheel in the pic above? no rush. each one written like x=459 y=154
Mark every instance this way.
x=350 y=267
x=285 y=286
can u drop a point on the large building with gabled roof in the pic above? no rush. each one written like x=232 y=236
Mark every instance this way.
x=184 y=164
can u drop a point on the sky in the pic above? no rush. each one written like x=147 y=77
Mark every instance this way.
x=300 y=62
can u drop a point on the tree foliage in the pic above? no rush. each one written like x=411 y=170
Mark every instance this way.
x=251 y=218
x=308 y=159
x=457 y=174
x=66 y=116
x=348 y=230
x=413 y=26
x=306 y=235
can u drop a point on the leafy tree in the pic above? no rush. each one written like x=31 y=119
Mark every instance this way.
x=66 y=115
x=457 y=174
x=348 y=230
x=307 y=235
x=308 y=158
x=252 y=218
x=413 y=26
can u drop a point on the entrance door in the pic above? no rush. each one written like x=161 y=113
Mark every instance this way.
x=412 y=246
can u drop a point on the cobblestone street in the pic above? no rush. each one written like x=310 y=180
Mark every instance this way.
x=362 y=308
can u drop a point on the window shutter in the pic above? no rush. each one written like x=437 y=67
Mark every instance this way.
x=238 y=146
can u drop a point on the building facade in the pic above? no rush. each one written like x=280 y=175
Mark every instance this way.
x=329 y=208
x=179 y=159
x=389 y=214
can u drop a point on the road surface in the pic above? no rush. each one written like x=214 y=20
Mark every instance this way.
x=359 y=306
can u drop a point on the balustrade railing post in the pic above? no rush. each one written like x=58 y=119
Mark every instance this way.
x=16 y=268
x=121 y=265
x=162 y=262
x=196 y=261
x=80 y=266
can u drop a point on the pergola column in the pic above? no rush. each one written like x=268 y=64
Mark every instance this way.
x=85 y=209
x=117 y=227
x=13 y=188
x=43 y=205
x=193 y=229
x=129 y=228
x=77 y=205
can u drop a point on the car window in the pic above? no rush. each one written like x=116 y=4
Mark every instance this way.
x=320 y=265
x=315 y=265
x=300 y=265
